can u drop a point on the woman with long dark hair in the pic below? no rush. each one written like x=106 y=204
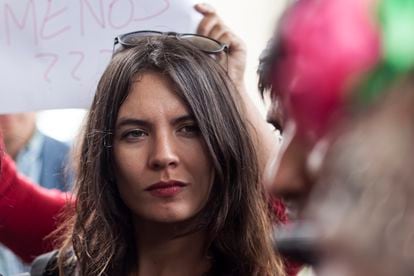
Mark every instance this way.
x=168 y=179
x=212 y=212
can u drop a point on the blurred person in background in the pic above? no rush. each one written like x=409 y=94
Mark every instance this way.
x=28 y=212
x=328 y=59
x=37 y=156
x=363 y=207
x=329 y=62
x=307 y=70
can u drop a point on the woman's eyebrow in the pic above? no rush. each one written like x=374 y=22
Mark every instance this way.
x=183 y=118
x=139 y=122
x=131 y=121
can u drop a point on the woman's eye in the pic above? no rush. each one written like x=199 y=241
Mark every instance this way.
x=190 y=130
x=134 y=134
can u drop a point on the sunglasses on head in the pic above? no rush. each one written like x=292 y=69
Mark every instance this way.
x=205 y=44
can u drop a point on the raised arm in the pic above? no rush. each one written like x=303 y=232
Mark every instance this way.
x=264 y=138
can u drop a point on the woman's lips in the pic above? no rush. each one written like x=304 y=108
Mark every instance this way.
x=166 y=189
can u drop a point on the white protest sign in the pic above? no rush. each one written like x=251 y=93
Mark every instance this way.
x=52 y=52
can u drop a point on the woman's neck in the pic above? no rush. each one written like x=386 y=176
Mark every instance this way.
x=161 y=250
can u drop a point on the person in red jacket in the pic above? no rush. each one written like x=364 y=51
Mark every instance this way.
x=28 y=212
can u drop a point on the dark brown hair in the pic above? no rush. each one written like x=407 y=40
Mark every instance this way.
x=236 y=216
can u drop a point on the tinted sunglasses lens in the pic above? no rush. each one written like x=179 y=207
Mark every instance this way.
x=133 y=38
x=203 y=43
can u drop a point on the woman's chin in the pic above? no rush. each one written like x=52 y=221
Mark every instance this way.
x=169 y=216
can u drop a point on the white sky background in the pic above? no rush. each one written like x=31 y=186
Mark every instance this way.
x=253 y=21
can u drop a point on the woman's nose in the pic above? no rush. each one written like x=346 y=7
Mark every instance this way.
x=164 y=153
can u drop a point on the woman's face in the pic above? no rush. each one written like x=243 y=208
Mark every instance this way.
x=163 y=170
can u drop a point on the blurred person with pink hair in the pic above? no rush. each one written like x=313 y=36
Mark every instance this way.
x=328 y=60
x=329 y=71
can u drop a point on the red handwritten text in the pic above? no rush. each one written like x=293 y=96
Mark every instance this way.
x=49 y=16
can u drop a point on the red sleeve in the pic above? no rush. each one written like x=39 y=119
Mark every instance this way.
x=27 y=212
